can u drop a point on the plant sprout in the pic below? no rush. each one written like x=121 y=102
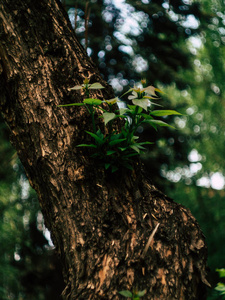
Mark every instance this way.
x=117 y=148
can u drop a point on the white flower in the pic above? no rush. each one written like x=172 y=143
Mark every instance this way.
x=134 y=95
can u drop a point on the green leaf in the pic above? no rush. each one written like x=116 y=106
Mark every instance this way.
x=139 y=110
x=146 y=143
x=114 y=142
x=122 y=148
x=97 y=155
x=71 y=104
x=98 y=139
x=92 y=101
x=127 y=92
x=135 y=148
x=116 y=136
x=128 y=166
x=124 y=132
x=221 y=272
x=87 y=145
x=220 y=287
x=156 y=104
x=160 y=113
x=96 y=86
x=110 y=152
x=130 y=155
x=112 y=101
x=144 y=103
x=100 y=134
x=108 y=117
x=141 y=293
x=126 y=293
x=123 y=110
x=149 y=97
x=76 y=87
x=132 y=107
x=158 y=122
x=134 y=137
x=146 y=116
x=114 y=169
x=139 y=146
x=107 y=165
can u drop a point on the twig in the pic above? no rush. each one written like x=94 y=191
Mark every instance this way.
x=149 y=241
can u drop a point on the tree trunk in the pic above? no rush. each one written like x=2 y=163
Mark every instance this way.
x=112 y=232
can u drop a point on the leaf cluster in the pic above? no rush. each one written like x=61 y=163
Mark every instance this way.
x=220 y=285
x=117 y=148
x=136 y=295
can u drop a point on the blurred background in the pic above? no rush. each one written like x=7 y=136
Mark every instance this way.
x=179 y=47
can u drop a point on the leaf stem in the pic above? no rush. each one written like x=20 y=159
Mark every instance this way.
x=92 y=112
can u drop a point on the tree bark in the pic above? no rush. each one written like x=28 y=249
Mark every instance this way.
x=112 y=232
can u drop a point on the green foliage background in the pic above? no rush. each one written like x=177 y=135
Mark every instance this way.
x=179 y=47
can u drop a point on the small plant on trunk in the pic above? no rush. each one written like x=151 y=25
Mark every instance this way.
x=136 y=295
x=116 y=149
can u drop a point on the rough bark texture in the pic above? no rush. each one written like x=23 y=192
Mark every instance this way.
x=100 y=223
